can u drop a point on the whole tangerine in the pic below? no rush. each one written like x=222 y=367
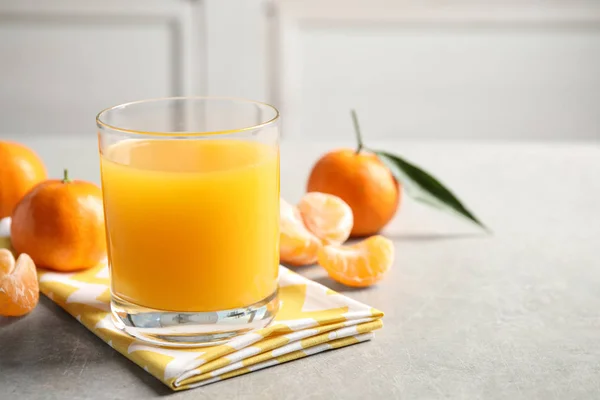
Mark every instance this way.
x=60 y=224
x=21 y=169
x=361 y=179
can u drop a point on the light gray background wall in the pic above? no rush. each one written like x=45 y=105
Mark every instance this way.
x=473 y=69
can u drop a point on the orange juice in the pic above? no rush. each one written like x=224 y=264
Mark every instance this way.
x=192 y=224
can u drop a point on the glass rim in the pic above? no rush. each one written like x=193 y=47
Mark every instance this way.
x=102 y=124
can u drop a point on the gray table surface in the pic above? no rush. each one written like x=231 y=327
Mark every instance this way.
x=468 y=315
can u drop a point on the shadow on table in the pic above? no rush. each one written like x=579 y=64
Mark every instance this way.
x=51 y=344
x=431 y=237
x=338 y=287
x=7 y=321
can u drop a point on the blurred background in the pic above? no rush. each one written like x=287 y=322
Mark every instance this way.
x=465 y=69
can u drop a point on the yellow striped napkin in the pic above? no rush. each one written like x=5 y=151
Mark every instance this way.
x=311 y=319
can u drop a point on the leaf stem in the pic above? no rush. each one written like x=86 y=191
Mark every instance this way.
x=357 y=131
x=66 y=176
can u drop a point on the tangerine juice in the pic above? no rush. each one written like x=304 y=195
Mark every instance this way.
x=192 y=224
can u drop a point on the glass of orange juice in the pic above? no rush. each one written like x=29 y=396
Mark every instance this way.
x=191 y=202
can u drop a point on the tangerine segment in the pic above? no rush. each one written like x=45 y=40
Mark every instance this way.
x=358 y=265
x=19 y=290
x=327 y=216
x=297 y=245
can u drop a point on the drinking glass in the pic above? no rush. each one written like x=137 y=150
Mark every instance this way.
x=191 y=203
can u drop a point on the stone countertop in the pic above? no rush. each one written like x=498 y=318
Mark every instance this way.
x=468 y=315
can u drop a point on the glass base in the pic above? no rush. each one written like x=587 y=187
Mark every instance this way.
x=191 y=329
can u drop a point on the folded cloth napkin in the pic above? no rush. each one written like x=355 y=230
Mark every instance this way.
x=311 y=319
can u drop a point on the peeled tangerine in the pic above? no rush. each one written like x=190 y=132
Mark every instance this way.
x=19 y=290
x=327 y=216
x=359 y=265
x=297 y=246
x=318 y=220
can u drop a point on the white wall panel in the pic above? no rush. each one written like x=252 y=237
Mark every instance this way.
x=526 y=70
x=64 y=61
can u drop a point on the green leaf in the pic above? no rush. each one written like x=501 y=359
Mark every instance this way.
x=423 y=187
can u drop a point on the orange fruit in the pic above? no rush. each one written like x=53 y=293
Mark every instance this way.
x=297 y=246
x=21 y=169
x=362 y=181
x=60 y=224
x=327 y=216
x=19 y=290
x=359 y=265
